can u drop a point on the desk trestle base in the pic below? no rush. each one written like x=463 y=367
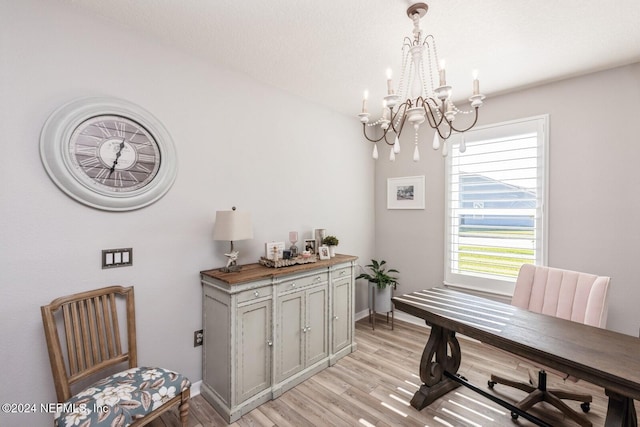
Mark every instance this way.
x=621 y=411
x=442 y=353
x=426 y=395
x=438 y=371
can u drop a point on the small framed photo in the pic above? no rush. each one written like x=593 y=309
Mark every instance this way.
x=273 y=250
x=405 y=193
x=310 y=245
x=324 y=252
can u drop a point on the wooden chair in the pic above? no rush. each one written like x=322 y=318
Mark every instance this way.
x=89 y=323
x=570 y=295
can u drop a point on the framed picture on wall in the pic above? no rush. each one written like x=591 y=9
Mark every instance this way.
x=405 y=192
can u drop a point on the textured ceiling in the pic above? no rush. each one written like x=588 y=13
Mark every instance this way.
x=329 y=51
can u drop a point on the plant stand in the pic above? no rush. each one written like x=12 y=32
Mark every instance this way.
x=373 y=291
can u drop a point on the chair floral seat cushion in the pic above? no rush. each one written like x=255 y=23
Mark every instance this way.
x=122 y=398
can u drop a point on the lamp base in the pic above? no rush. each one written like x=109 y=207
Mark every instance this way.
x=231 y=269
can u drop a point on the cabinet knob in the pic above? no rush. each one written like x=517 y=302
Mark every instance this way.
x=293 y=285
x=256 y=293
x=342 y=273
x=269 y=343
x=335 y=317
x=318 y=278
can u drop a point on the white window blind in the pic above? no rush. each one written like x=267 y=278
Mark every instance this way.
x=495 y=207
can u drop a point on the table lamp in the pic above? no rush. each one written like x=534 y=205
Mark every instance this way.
x=232 y=225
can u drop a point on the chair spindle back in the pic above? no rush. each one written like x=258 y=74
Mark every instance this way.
x=92 y=335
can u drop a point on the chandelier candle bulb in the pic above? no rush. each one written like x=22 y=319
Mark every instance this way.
x=365 y=96
x=476 y=83
x=443 y=79
x=389 y=82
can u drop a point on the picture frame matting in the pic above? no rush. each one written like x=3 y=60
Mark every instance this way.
x=405 y=192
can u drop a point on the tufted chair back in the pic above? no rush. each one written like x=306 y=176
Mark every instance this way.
x=570 y=295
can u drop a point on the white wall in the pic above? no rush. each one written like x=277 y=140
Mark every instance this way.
x=292 y=164
x=594 y=208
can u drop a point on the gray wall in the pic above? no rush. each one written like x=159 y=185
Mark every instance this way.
x=292 y=164
x=594 y=208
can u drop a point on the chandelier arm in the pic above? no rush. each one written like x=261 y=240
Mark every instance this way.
x=386 y=141
x=399 y=132
x=402 y=107
x=444 y=138
x=364 y=131
x=393 y=119
x=470 y=126
x=433 y=122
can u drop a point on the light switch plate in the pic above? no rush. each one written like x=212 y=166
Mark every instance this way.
x=117 y=257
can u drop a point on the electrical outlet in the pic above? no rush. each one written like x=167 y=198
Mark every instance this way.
x=198 y=338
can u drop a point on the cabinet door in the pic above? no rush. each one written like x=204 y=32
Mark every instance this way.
x=315 y=330
x=254 y=349
x=289 y=335
x=341 y=315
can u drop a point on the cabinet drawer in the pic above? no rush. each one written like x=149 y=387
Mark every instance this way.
x=340 y=273
x=254 y=294
x=301 y=282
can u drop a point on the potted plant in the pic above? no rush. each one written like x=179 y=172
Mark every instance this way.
x=380 y=284
x=332 y=242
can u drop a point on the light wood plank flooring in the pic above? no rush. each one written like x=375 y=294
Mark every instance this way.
x=373 y=387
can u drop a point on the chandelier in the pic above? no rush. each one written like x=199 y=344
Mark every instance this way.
x=417 y=98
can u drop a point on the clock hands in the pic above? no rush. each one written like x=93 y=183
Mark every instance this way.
x=115 y=162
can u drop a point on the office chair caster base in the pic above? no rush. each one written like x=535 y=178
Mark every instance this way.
x=514 y=416
x=490 y=384
x=586 y=406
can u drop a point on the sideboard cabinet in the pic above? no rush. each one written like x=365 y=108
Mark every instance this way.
x=268 y=329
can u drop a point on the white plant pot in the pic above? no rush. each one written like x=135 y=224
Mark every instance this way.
x=332 y=251
x=382 y=298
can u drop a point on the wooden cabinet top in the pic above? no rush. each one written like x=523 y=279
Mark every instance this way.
x=253 y=272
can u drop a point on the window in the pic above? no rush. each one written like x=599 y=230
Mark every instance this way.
x=495 y=204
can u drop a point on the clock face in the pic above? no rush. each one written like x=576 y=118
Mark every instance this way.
x=114 y=153
x=108 y=153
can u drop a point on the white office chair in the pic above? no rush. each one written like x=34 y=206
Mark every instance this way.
x=570 y=295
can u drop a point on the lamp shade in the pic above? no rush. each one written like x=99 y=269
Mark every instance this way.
x=232 y=225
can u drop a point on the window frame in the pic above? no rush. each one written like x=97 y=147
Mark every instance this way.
x=539 y=125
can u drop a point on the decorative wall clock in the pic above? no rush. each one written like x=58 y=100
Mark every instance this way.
x=108 y=153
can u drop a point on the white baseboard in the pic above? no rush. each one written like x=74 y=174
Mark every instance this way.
x=195 y=388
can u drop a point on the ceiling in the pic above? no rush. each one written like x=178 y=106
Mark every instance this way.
x=329 y=51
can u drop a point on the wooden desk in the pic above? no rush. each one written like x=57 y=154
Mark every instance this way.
x=599 y=356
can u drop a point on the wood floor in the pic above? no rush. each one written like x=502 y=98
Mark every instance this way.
x=373 y=387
